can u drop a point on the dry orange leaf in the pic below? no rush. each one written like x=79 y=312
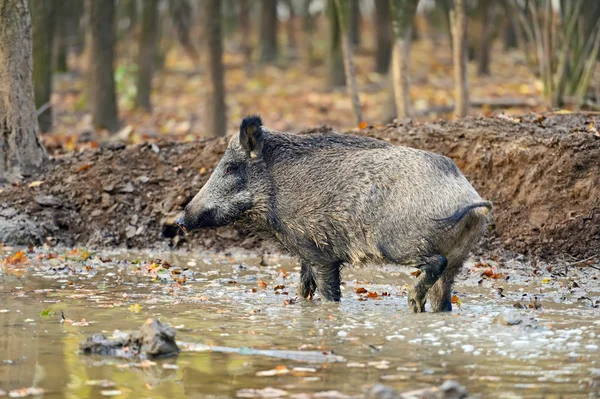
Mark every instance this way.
x=373 y=295
x=416 y=273
x=261 y=283
x=17 y=259
x=361 y=290
x=456 y=300
x=363 y=125
x=84 y=167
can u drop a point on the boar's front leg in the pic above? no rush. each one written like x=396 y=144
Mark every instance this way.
x=431 y=268
x=307 y=285
x=327 y=277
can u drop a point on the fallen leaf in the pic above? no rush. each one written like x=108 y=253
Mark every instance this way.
x=36 y=183
x=261 y=283
x=373 y=295
x=456 y=300
x=290 y=301
x=17 y=259
x=135 y=308
x=84 y=167
x=361 y=290
x=416 y=273
x=363 y=125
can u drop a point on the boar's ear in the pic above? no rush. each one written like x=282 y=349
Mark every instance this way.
x=251 y=135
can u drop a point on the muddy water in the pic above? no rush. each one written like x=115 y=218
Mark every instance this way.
x=488 y=345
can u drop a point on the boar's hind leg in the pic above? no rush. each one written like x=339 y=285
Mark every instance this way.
x=431 y=268
x=440 y=294
x=307 y=285
x=328 y=281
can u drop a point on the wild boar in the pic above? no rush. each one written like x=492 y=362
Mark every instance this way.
x=336 y=199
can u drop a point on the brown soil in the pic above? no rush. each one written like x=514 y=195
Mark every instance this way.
x=541 y=173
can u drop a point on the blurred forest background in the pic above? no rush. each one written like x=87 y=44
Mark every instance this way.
x=139 y=70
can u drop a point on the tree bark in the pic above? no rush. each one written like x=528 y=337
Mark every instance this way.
x=484 y=50
x=308 y=27
x=268 y=31
x=354 y=22
x=349 y=67
x=42 y=15
x=403 y=14
x=383 y=30
x=335 y=58
x=510 y=31
x=61 y=37
x=215 y=105
x=459 y=25
x=101 y=93
x=245 y=24
x=292 y=45
x=147 y=53
x=21 y=151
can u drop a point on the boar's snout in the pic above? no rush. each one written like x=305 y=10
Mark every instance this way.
x=191 y=220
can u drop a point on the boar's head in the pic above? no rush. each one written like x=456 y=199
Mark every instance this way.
x=233 y=188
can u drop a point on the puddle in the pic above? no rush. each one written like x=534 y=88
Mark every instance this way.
x=488 y=345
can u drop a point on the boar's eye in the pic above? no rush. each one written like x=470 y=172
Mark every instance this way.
x=229 y=169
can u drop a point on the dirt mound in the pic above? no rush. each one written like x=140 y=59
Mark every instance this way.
x=542 y=173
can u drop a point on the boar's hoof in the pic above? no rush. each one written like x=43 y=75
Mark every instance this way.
x=417 y=306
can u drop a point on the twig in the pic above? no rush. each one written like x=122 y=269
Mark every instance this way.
x=43 y=109
x=583 y=260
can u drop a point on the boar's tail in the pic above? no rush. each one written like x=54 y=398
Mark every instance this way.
x=452 y=220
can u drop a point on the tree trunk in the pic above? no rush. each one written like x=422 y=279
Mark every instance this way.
x=60 y=37
x=308 y=27
x=245 y=23
x=510 y=32
x=335 y=58
x=215 y=105
x=403 y=14
x=101 y=93
x=147 y=53
x=349 y=68
x=383 y=29
x=268 y=31
x=459 y=25
x=483 y=56
x=354 y=23
x=292 y=45
x=21 y=151
x=42 y=15
x=74 y=31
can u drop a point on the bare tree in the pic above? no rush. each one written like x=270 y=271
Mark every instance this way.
x=349 y=68
x=268 y=31
x=63 y=16
x=292 y=45
x=383 y=31
x=563 y=47
x=308 y=28
x=459 y=27
x=101 y=91
x=21 y=152
x=354 y=22
x=147 y=53
x=215 y=104
x=485 y=42
x=335 y=58
x=43 y=14
x=403 y=14
x=245 y=24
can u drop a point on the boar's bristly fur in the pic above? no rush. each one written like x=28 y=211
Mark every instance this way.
x=335 y=199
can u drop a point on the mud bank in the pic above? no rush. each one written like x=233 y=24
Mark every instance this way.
x=541 y=172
